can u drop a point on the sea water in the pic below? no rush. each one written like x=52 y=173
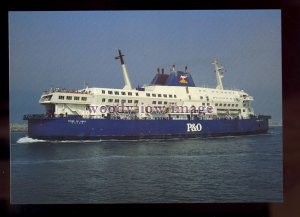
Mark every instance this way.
x=211 y=170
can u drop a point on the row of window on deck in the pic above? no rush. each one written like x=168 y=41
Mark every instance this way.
x=136 y=101
x=137 y=94
x=70 y=98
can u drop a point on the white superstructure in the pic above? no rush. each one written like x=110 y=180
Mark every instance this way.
x=151 y=101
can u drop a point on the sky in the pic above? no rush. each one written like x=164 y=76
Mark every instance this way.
x=64 y=49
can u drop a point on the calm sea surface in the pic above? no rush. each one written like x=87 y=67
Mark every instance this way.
x=216 y=170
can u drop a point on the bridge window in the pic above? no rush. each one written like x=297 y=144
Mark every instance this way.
x=109 y=92
x=175 y=96
x=123 y=93
x=76 y=97
x=236 y=105
x=201 y=97
x=165 y=95
x=117 y=100
x=136 y=101
x=103 y=91
x=129 y=94
x=110 y=100
x=129 y=101
x=153 y=94
x=69 y=98
x=61 y=97
x=159 y=102
x=136 y=93
x=154 y=102
x=220 y=104
x=170 y=95
x=159 y=95
x=147 y=94
x=216 y=104
x=123 y=101
x=165 y=102
x=103 y=99
x=116 y=92
x=83 y=98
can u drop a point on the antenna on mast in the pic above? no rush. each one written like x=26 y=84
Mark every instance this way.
x=86 y=84
x=125 y=74
x=219 y=74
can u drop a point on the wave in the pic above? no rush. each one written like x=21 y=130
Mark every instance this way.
x=49 y=161
x=73 y=141
x=27 y=139
x=150 y=157
x=42 y=161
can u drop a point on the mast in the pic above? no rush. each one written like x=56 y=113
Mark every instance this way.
x=125 y=74
x=219 y=74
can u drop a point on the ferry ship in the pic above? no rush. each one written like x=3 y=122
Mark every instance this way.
x=170 y=106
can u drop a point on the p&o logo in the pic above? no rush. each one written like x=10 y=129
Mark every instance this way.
x=193 y=127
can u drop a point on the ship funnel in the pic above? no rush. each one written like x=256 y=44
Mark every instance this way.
x=185 y=69
x=125 y=74
x=219 y=74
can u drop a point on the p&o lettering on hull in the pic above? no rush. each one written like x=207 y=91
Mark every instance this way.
x=191 y=127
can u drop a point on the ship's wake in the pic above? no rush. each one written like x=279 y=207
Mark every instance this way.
x=27 y=139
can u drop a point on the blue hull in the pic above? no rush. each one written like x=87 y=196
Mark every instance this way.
x=73 y=128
